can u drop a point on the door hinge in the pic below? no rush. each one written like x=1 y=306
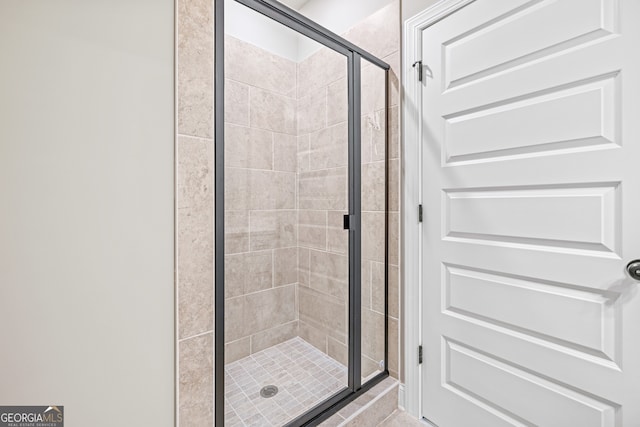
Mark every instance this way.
x=419 y=64
x=419 y=213
x=419 y=355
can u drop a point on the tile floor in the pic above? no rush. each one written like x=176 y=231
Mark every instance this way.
x=303 y=374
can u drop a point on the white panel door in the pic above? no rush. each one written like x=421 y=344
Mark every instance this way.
x=531 y=193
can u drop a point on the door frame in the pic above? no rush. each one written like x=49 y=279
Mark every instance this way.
x=411 y=391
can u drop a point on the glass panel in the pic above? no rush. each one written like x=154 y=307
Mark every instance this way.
x=373 y=122
x=286 y=260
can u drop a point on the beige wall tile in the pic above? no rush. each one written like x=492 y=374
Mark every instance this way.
x=236 y=186
x=373 y=127
x=312 y=111
x=370 y=126
x=379 y=33
x=329 y=147
x=285 y=263
x=394 y=133
x=303 y=266
x=394 y=374
x=195 y=174
x=337 y=102
x=365 y=280
x=394 y=346
x=195 y=236
x=323 y=189
x=195 y=273
x=195 y=373
x=373 y=89
x=338 y=351
x=324 y=312
x=271 y=190
x=248 y=272
x=254 y=189
x=312 y=229
x=329 y=274
x=234 y=322
x=369 y=367
x=303 y=153
x=234 y=275
x=273 y=229
x=254 y=66
x=285 y=152
x=394 y=77
x=272 y=112
x=377 y=287
x=337 y=236
x=394 y=239
x=270 y=308
x=394 y=185
x=319 y=70
x=373 y=186
x=236 y=103
x=273 y=336
x=236 y=350
x=236 y=227
x=373 y=236
x=373 y=335
x=248 y=147
x=195 y=68
x=313 y=336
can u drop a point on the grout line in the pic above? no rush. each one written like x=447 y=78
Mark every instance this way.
x=195 y=336
x=203 y=138
x=391 y=415
x=270 y=91
x=273 y=268
x=273 y=151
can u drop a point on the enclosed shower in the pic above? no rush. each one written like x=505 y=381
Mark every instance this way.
x=301 y=221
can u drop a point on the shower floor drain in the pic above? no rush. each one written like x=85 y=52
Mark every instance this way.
x=269 y=391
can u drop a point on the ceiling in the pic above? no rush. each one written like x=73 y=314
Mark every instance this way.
x=294 y=4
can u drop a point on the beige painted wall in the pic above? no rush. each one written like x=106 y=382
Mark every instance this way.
x=86 y=210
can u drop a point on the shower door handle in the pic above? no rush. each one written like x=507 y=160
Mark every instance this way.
x=346 y=222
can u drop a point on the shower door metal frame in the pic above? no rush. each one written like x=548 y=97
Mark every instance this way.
x=299 y=23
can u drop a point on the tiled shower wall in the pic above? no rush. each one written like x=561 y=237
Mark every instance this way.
x=322 y=153
x=260 y=200
x=263 y=225
x=322 y=199
x=195 y=212
x=380 y=35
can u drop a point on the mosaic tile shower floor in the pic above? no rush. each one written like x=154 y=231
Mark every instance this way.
x=304 y=375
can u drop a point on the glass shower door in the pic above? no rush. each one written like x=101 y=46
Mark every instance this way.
x=286 y=261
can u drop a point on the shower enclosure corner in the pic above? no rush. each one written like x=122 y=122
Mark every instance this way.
x=301 y=217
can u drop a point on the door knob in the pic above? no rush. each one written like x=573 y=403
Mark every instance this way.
x=633 y=268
